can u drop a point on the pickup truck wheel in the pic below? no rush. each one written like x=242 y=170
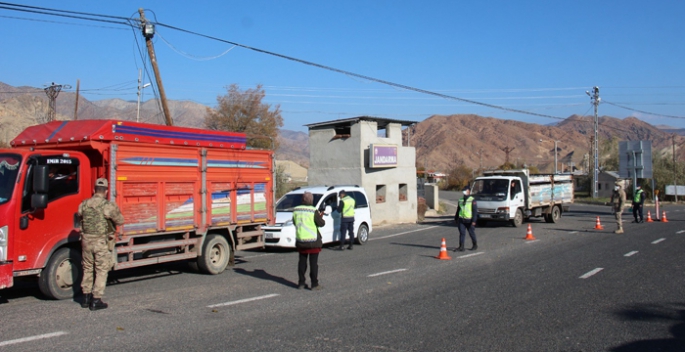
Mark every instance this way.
x=215 y=255
x=518 y=218
x=61 y=277
x=362 y=234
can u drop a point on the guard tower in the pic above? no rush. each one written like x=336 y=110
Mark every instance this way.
x=369 y=152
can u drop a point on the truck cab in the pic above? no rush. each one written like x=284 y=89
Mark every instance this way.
x=499 y=199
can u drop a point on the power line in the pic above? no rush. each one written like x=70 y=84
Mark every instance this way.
x=643 y=112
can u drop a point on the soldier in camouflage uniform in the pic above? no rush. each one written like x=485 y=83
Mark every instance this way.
x=99 y=218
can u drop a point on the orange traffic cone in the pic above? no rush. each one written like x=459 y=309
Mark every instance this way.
x=649 y=216
x=598 y=226
x=529 y=234
x=443 y=251
x=663 y=217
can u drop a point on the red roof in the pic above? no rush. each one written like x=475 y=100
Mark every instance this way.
x=57 y=132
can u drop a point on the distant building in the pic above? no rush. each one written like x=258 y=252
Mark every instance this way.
x=367 y=151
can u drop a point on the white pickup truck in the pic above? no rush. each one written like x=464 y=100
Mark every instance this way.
x=515 y=196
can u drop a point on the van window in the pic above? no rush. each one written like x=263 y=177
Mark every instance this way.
x=331 y=200
x=359 y=200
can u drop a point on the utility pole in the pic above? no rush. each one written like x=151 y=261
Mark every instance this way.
x=507 y=150
x=52 y=92
x=148 y=33
x=555 y=157
x=594 y=100
x=78 y=84
x=675 y=177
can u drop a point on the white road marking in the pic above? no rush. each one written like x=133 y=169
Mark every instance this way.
x=470 y=255
x=243 y=301
x=531 y=241
x=401 y=233
x=387 y=272
x=255 y=256
x=591 y=272
x=32 y=338
x=659 y=240
x=681 y=231
x=630 y=254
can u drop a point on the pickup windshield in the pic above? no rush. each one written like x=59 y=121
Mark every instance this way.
x=490 y=189
x=290 y=201
x=9 y=169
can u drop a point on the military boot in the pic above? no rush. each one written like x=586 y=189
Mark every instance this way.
x=85 y=303
x=619 y=231
x=460 y=248
x=475 y=246
x=97 y=304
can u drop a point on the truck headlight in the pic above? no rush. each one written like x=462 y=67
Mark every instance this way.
x=3 y=243
x=503 y=210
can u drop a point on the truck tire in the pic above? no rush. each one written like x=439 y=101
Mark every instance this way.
x=554 y=215
x=518 y=218
x=215 y=255
x=362 y=234
x=61 y=277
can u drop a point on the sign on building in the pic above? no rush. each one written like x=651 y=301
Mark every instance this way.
x=382 y=156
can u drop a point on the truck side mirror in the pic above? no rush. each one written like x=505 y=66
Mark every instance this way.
x=39 y=200
x=24 y=222
x=40 y=179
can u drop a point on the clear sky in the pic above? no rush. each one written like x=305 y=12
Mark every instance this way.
x=536 y=56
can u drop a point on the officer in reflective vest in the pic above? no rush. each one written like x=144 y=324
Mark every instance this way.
x=638 y=202
x=346 y=210
x=466 y=215
x=308 y=241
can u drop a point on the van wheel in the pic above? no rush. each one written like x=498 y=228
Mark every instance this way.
x=518 y=218
x=215 y=255
x=61 y=277
x=362 y=234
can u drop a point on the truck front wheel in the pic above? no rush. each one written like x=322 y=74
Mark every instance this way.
x=518 y=218
x=215 y=255
x=62 y=275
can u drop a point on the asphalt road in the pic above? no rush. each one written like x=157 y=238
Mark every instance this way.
x=572 y=289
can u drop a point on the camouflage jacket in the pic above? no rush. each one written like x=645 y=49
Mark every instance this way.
x=96 y=213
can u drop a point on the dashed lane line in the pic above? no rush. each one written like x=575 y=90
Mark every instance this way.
x=470 y=255
x=630 y=254
x=243 y=301
x=32 y=338
x=659 y=240
x=590 y=273
x=681 y=231
x=402 y=233
x=387 y=272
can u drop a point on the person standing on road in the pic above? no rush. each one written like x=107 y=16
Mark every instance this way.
x=618 y=200
x=466 y=216
x=346 y=210
x=308 y=241
x=99 y=218
x=638 y=202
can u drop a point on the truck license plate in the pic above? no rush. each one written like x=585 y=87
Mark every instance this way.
x=485 y=216
x=269 y=235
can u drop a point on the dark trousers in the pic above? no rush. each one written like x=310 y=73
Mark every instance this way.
x=313 y=271
x=463 y=226
x=637 y=209
x=346 y=226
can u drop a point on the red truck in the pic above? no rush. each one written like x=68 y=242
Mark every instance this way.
x=186 y=194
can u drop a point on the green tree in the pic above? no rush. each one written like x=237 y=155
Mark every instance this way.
x=608 y=154
x=244 y=112
x=507 y=166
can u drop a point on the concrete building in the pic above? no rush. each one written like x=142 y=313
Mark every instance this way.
x=367 y=151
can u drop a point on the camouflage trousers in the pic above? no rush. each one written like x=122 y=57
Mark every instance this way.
x=97 y=259
x=619 y=220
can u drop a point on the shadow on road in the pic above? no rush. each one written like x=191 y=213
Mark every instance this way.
x=645 y=313
x=261 y=274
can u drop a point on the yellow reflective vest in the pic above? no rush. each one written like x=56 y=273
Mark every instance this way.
x=303 y=218
x=348 y=207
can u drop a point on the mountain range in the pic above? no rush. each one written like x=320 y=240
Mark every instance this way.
x=442 y=141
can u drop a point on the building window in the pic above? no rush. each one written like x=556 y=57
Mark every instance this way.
x=599 y=186
x=380 y=193
x=382 y=132
x=403 y=192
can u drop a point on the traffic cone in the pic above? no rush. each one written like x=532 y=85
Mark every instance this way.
x=649 y=216
x=598 y=226
x=529 y=234
x=443 y=251
x=663 y=217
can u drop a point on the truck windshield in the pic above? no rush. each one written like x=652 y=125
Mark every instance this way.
x=290 y=201
x=490 y=189
x=9 y=169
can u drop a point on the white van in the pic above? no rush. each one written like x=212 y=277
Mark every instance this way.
x=282 y=234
